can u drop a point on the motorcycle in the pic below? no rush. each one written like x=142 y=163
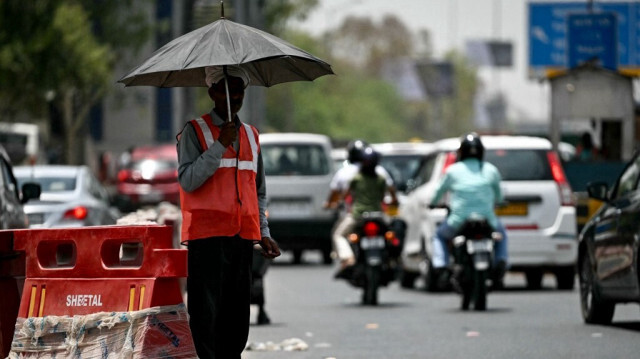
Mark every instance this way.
x=377 y=251
x=473 y=262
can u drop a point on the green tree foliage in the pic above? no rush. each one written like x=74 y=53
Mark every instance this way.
x=59 y=55
x=349 y=105
x=123 y=25
x=361 y=45
x=366 y=44
x=278 y=12
x=26 y=40
x=342 y=107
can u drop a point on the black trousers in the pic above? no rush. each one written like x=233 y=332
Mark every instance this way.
x=219 y=292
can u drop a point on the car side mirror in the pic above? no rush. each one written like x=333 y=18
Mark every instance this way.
x=598 y=190
x=30 y=190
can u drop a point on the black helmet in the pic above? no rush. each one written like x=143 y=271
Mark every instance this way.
x=470 y=147
x=354 y=150
x=370 y=157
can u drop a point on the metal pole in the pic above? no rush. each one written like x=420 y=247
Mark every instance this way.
x=496 y=121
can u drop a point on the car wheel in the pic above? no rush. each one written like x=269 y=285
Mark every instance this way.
x=297 y=256
x=430 y=277
x=594 y=309
x=565 y=278
x=534 y=278
x=407 y=280
x=326 y=256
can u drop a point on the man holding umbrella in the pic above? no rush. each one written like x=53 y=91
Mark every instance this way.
x=222 y=188
x=220 y=167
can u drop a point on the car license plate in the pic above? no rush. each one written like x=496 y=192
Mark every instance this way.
x=372 y=242
x=151 y=197
x=35 y=218
x=513 y=209
x=290 y=208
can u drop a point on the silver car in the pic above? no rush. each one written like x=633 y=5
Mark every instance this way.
x=71 y=197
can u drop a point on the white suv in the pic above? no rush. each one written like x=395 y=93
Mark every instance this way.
x=298 y=169
x=539 y=215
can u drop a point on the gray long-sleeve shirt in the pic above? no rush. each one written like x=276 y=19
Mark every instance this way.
x=196 y=165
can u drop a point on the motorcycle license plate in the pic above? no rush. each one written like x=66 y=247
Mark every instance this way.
x=368 y=243
x=483 y=245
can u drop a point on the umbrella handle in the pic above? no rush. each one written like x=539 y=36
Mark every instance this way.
x=226 y=88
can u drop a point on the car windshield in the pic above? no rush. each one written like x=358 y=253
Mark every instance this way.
x=402 y=168
x=50 y=184
x=520 y=164
x=294 y=159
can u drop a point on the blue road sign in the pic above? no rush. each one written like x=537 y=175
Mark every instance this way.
x=592 y=38
x=548 y=33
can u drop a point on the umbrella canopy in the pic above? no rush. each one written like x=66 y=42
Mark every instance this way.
x=268 y=59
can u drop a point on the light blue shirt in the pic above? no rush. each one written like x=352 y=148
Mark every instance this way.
x=474 y=188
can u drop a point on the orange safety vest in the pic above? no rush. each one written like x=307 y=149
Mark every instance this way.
x=226 y=204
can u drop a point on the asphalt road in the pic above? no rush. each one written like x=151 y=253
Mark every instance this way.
x=308 y=307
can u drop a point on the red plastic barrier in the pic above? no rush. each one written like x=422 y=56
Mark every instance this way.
x=94 y=269
x=11 y=282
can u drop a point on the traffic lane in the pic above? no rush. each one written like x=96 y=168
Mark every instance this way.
x=305 y=302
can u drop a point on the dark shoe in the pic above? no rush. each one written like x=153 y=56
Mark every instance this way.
x=497 y=278
x=456 y=278
x=263 y=318
x=442 y=278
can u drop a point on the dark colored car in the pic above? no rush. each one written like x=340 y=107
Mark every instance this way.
x=12 y=214
x=608 y=263
x=149 y=177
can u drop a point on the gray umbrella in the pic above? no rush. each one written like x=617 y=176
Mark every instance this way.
x=268 y=59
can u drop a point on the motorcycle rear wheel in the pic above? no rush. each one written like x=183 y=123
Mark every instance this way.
x=480 y=290
x=372 y=283
x=466 y=290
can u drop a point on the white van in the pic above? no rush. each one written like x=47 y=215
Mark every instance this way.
x=298 y=169
x=21 y=141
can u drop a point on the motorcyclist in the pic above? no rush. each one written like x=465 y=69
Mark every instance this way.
x=367 y=190
x=338 y=186
x=474 y=187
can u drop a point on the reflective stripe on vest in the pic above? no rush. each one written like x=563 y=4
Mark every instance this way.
x=231 y=162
